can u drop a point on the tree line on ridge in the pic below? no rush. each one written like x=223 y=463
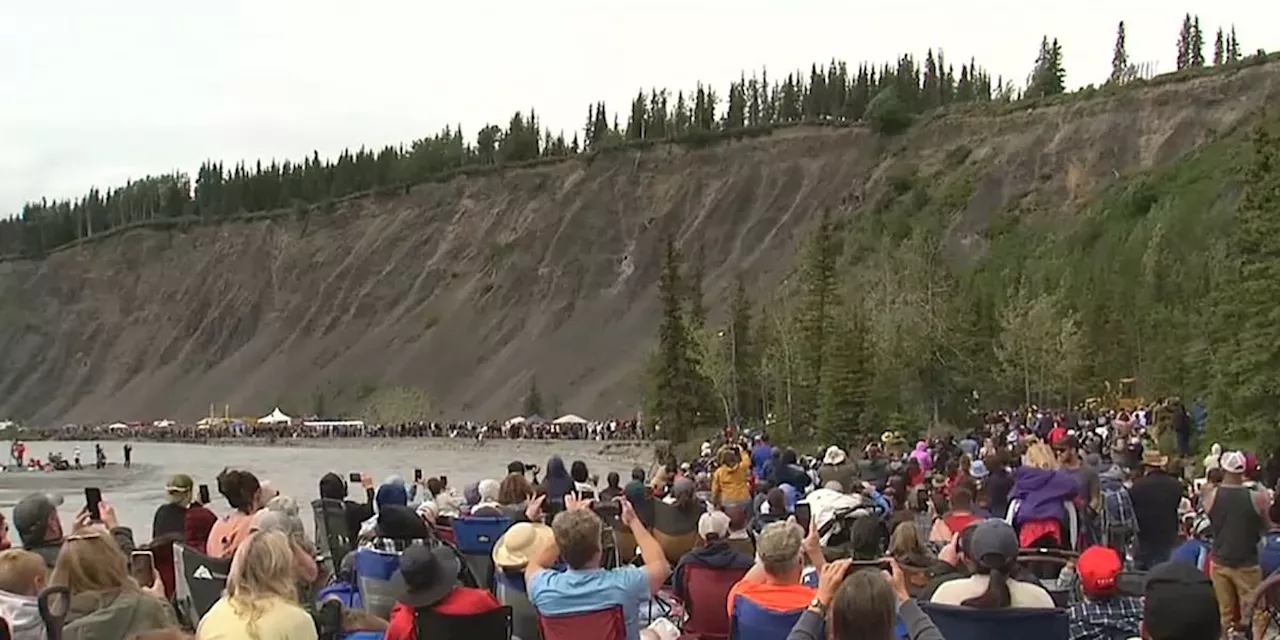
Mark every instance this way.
x=885 y=95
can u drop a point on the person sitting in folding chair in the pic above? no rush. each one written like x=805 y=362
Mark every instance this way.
x=428 y=579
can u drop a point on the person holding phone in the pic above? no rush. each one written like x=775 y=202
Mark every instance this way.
x=170 y=517
x=857 y=605
x=774 y=583
x=36 y=521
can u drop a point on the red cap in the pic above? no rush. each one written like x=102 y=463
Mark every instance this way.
x=1098 y=567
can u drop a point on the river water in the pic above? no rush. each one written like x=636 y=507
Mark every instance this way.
x=294 y=470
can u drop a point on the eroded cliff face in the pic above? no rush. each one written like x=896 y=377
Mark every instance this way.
x=466 y=289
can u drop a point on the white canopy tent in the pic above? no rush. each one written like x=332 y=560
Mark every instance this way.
x=275 y=417
x=515 y=420
x=569 y=419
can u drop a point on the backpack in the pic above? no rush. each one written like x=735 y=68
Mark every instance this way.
x=1118 y=523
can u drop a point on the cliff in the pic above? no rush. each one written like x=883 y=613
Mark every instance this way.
x=466 y=289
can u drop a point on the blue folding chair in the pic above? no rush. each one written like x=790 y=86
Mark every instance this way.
x=750 y=620
x=967 y=623
x=475 y=538
x=374 y=569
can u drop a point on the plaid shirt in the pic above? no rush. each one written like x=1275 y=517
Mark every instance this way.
x=1101 y=619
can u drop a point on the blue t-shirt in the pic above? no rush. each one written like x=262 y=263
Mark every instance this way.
x=1192 y=552
x=573 y=591
x=1269 y=553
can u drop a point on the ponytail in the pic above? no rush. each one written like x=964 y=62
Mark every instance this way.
x=997 y=595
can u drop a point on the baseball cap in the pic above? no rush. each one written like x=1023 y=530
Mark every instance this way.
x=180 y=483
x=1233 y=462
x=713 y=525
x=1179 y=604
x=31 y=515
x=1098 y=568
x=994 y=544
x=515 y=467
x=779 y=542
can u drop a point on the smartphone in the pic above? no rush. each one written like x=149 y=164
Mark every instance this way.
x=803 y=515
x=204 y=494
x=354 y=476
x=142 y=566
x=417 y=475
x=93 y=502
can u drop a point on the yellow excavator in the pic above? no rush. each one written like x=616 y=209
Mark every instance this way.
x=1122 y=396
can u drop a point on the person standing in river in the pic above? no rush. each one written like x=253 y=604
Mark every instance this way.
x=128 y=456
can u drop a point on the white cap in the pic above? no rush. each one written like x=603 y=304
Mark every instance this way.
x=1233 y=462
x=713 y=523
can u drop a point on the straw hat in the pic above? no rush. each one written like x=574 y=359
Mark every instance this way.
x=521 y=542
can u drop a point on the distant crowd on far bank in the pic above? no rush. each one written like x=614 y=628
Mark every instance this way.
x=206 y=430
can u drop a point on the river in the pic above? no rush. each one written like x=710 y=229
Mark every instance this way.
x=294 y=468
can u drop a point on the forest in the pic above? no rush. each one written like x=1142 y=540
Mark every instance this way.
x=885 y=96
x=1167 y=279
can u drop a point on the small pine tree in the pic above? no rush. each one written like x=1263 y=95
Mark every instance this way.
x=1197 y=44
x=1120 y=57
x=1219 y=48
x=1233 y=47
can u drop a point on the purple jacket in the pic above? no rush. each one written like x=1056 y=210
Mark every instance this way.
x=1042 y=493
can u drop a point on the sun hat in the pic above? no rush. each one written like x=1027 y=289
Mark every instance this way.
x=834 y=455
x=520 y=542
x=1153 y=458
x=426 y=575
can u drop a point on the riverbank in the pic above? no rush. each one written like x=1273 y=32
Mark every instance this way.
x=637 y=452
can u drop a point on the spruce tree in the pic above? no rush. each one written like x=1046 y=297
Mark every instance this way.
x=1120 y=57
x=1219 y=48
x=1184 y=44
x=1197 y=44
x=679 y=396
x=844 y=394
x=1247 y=353
x=818 y=292
x=744 y=360
x=1233 y=46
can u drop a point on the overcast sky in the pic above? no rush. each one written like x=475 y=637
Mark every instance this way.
x=96 y=92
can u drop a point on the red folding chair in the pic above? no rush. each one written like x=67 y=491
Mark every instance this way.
x=605 y=624
x=706 y=589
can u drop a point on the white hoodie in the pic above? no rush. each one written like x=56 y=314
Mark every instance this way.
x=23 y=615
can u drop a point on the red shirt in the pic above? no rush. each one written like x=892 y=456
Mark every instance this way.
x=1057 y=433
x=462 y=601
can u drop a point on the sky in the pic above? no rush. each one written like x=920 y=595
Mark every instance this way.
x=98 y=92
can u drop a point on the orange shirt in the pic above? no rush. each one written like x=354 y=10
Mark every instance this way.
x=774 y=597
x=227 y=534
